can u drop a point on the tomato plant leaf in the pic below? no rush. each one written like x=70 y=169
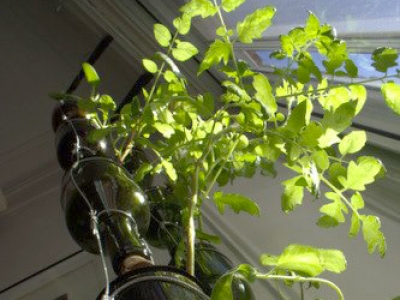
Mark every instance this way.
x=91 y=75
x=236 y=202
x=255 y=24
x=361 y=173
x=217 y=52
x=183 y=23
x=384 y=58
x=264 y=94
x=162 y=34
x=292 y=195
x=184 y=51
x=373 y=235
x=230 y=5
x=391 y=94
x=353 y=142
x=223 y=288
x=150 y=65
x=203 y=8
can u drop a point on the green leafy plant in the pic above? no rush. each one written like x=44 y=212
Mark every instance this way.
x=203 y=140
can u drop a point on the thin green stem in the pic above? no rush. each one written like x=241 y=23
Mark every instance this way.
x=190 y=227
x=301 y=279
x=228 y=40
x=339 y=192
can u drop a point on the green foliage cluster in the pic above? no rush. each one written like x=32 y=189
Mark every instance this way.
x=204 y=140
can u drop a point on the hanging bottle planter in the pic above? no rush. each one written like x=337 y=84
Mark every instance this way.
x=64 y=111
x=72 y=137
x=155 y=283
x=165 y=221
x=99 y=186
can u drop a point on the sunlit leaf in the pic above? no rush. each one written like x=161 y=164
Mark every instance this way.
x=361 y=173
x=217 y=52
x=183 y=23
x=90 y=74
x=293 y=194
x=255 y=24
x=301 y=259
x=353 y=142
x=236 y=202
x=150 y=65
x=230 y=5
x=169 y=169
x=373 y=235
x=184 y=51
x=264 y=93
x=162 y=34
x=203 y=8
x=312 y=27
x=391 y=94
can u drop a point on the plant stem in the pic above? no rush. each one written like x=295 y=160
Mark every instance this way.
x=302 y=279
x=337 y=191
x=191 y=227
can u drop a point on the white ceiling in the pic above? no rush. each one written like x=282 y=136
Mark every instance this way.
x=42 y=46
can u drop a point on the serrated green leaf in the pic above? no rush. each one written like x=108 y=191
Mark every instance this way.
x=310 y=134
x=301 y=259
x=328 y=138
x=268 y=259
x=391 y=94
x=359 y=93
x=332 y=260
x=203 y=8
x=230 y=5
x=353 y=142
x=361 y=173
x=236 y=202
x=183 y=24
x=247 y=271
x=312 y=27
x=357 y=201
x=355 y=225
x=341 y=118
x=162 y=34
x=373 y=235
x=255 y=24
x=150 y=65
x=223 y=288
x=264 y=94
x=334 y=210
x=292 y=195
x=90 y=74
x=184 y=51
x=384 y=58
x=217 y=52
